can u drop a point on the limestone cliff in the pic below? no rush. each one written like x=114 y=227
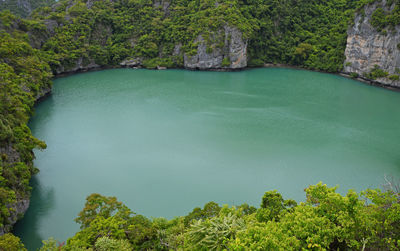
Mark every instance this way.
x=232 y=54
x=19 y=209
x=368 y=49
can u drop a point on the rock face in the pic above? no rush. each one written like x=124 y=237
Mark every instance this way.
x=131 y=62
x=232 y=55
x=20 y=208
x=366 y=47
x=22 y=204
x=80 y=65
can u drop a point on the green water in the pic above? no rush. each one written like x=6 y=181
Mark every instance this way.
x=165 y=142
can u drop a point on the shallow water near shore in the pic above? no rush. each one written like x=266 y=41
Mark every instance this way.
x=164 y=142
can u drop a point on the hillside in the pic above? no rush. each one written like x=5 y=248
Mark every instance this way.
x=23 y=8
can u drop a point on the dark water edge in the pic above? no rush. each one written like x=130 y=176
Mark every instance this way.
x=267 y=65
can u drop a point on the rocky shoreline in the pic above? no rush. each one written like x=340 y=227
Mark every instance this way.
x=267 y=65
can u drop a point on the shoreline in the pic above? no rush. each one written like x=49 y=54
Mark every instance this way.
x=266 y=65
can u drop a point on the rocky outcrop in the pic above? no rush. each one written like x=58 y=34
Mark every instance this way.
x=79 y=66
x=232 y=55
x=131 y=62
x=368 y=48
x=163 y=4
x=18 y=210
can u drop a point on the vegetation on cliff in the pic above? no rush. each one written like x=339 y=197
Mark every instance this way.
x=24 y=73
x=386 y=18
x=23 y=7
x=84 y=33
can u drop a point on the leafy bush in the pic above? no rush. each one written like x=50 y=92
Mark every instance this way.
x=107 y=244
x=378 y=19
x=212 y=234
x=354 y=74
x=255 y=62
x=376 y=72
x=226 y=62
x=10 y=242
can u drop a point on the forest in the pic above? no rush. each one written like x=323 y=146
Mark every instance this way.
x=56 y=37
x=325 y=221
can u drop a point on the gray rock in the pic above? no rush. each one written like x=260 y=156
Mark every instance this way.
x=19 y=209
x=131 y=62
x=79 y=66
x=51 y=26
x=366 y=47
x=22 y=204
x=177 y=50
x=234 y=49
x=163 y=4
x=12 y=154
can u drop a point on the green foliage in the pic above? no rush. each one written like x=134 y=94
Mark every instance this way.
x=108 y=244
x=376 y=72
x=154 y=62
x=24 y=74
x=101 y=206
x=382 y=19
x=76 y=33
x=10 y=242
x=326 y=221
x=211 y=209
x=226 y=62
x=310 y=34
x=378 y=19
x=212 y=234
x=354 y=74
x=50 y=245
x=255 y=62
x=273 y=206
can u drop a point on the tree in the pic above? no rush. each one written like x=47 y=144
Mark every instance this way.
x=11 y=242
x=101 y=206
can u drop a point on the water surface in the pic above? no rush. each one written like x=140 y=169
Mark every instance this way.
x=164 y=142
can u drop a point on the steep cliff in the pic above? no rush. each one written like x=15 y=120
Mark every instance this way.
x=373 y=53
x=227 y=50
x=24 y=78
